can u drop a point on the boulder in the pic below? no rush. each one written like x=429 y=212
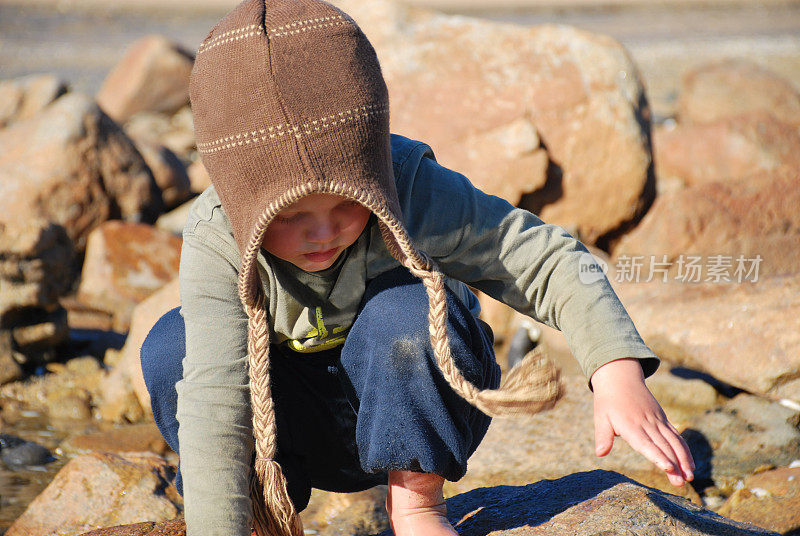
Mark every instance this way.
x=173 y=527
x=100 y=490
x=770 y=499
x=153 y=75
x=520 y=89
x=67 y=395
x=198 y=176
x=72 y=165
x=731 y=87
x=10 y=369
x=126 y=375
x=168 y=172
x=175 y=220
x=160 y=129
x=553 y=444
x=143 y=437
x=355 y=514
x=36 y=268
x=717 y=232
x=24 y=97
x=588 y=503
x=125 y=263
x=726 y=150
x=747 y=433
x=740 y=333
x=36 y=259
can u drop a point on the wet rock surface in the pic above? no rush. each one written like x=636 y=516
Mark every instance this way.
x=17 y=453
x=100 y=490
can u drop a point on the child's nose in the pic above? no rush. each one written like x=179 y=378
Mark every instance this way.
x=323 y=231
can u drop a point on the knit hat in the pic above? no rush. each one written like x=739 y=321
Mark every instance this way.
x=289 y=100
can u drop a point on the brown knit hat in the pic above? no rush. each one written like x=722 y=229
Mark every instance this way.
x=288 y=100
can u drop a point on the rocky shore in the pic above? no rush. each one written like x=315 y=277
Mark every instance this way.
x=693 y=216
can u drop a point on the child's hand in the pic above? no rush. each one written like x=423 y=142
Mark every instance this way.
x=624 y=406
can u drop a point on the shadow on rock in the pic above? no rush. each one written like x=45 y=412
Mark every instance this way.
x=581 y=502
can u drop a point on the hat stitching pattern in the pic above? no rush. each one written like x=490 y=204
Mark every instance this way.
x=263 y=134
x=281 y=31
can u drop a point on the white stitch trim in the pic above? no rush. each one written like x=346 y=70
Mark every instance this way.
x=219 y=40
x=236 y=140
x=306 y=28
x=307 y=21
x=229 y=32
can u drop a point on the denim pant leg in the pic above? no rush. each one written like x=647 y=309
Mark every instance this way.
x=315 y=419
x=409 y=418
x=162 y=366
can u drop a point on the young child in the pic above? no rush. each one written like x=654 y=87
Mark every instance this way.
x=326 y=336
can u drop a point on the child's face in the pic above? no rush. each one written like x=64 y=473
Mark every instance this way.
x=313 y=232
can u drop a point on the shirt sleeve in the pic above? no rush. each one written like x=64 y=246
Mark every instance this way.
x=215 y=430
x=514 y=257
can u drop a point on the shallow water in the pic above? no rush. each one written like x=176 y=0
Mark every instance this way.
x=18 y=488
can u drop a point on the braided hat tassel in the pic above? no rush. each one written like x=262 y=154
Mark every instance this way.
x=533 y=385
x=273 y=511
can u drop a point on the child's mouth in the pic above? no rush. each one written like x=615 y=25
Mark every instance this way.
x=321 y=256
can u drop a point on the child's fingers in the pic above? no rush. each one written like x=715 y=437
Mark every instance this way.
x=644 y=444
x=681 y=450
x=603 y=436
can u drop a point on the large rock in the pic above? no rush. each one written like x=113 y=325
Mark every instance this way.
x=125 y=263
x=731 y=87
x=71 y=164
x=126 y=375
x=770 y=499
x=36 y=268
x=355 y=514
x=553 y=444
x=198 y=176
x=153 y=75
x=24 y=97
x=592 y=503
x=66 y=395
x=727 y=150
x=735 y=439
x=101 y=490
x=168 y=171
x=486 y=96
x=741 y=333
x=718 y=223
x=173 y=527
x=589 y=503
x=173 y=132
x=143 y=437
